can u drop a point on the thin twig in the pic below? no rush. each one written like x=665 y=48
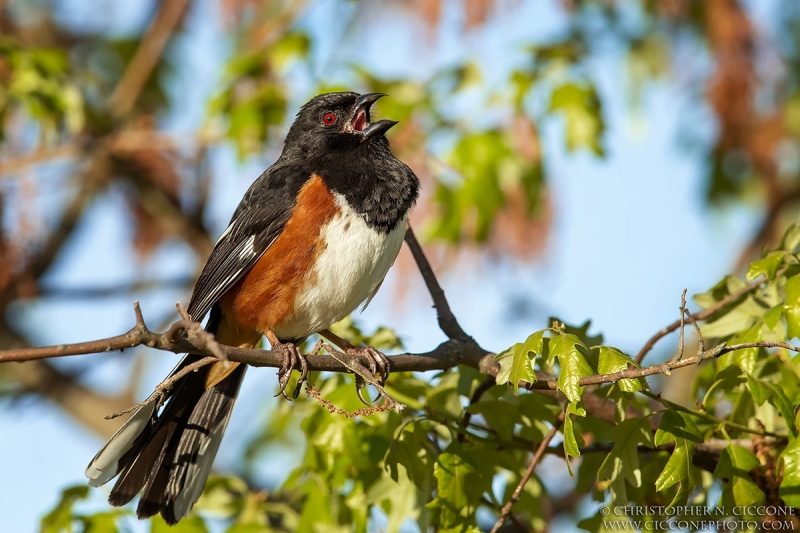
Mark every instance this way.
x=708 y=416
x=540 y=451
x=164 y=387
x=702 y=315
x=679 y=355
x=701 y=344
x=664 y=368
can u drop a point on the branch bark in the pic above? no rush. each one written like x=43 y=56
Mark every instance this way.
x=447 y=355
x=447 y=320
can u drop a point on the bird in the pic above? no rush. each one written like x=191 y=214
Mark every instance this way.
x=311 y=240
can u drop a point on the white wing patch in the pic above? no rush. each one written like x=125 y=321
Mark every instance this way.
x=225 y=233
x=247 y=249
x=244 y=252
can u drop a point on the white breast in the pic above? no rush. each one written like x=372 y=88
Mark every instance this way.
x=347 y=272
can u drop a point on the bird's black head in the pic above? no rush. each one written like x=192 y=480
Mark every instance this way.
x=336 y=122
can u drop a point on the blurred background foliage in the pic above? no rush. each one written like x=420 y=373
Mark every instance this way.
x=87 y=116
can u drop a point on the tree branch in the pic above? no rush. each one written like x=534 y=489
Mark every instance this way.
x=447 y=320
x=446 y=355
x=664 y=368
x=147 y=56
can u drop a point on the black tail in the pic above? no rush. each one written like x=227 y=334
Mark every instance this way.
x=170 y=454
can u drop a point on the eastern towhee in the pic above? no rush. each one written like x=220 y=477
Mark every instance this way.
x=312 y=239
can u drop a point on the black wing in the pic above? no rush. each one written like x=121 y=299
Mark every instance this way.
x=256 y=223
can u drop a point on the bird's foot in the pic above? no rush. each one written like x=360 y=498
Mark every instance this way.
x=291 y=359
x=378 y=365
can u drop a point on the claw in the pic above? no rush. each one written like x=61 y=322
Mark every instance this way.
x=283 y=372
x=360 y=386
x=291 y=358
x=378 y=366
x=302 y=379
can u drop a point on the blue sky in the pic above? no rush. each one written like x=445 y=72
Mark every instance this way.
x=630 y=232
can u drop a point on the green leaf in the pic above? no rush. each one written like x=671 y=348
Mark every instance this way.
x=499 y=416
x=791 y=239
x=292 y=45
x=779 y=399
x=601 y=524
x=521 y=81
x=735 y=465
x=399 y=500
x=316 y=506
x=745 y=358
x=468 y=208
x=723 y=288
x=789 y=490
x=758 y=389
x=580 y=107
x=767 y=266
x=791 y=307
x=678 y=428
x=516 y=363
x=572 y=448
x=60 y=518
x=622 y=462
x=247 y=528
x=101 y=522
x=413 y=451
x=582 y=332
x=459 y=487
x=573 y=365
x=773 y=317
x=611 y=360
x=740 y=318
x=223 y=495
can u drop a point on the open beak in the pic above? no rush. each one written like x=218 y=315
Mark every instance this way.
x=360 y=121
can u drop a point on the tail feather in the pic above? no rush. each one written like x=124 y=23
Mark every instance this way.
x=198 y=445
x=111 y=458
x=152 y=499
x=172 y=457
x=168 y=456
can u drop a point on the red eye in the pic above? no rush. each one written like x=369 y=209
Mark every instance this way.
x=329 y=119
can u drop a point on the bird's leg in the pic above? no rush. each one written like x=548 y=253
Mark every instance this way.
x=378 y=362
x=291 y=358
